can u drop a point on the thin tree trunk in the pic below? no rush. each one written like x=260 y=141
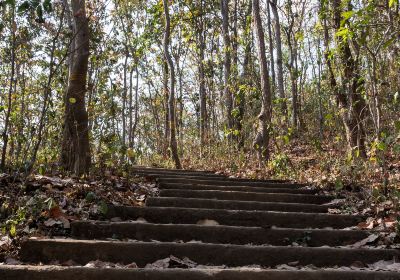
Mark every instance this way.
x=261 y=141
x=271 y=51
x=166 y=115
x=75 y=154
x=10 y=91
x=279 y=58
x=171 y=100
x=202 y=89
x=227 y=63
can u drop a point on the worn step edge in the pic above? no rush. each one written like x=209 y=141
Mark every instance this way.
x=247 y=196
x=84 y=273
x=178 y=186
x=167 y=215
x=235 y=205
x=214 y=234
x=147 y=168
x=231 y=182
x=143 y=253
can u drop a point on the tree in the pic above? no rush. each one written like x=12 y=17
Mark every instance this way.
x=227 y=63
x=352 y=105
x=279 y=56
x=171 y=101
x=75 y=154
x=261 y=141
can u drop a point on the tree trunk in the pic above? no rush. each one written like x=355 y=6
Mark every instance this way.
x=171 y=100
x=10 y=91
x=166 y=115
x=271 y=51
x=227 y=63
x=202 y=89
x=245 y=77
x=75 y=154
x=261 y=142
x=349 y=95
x=279 y=57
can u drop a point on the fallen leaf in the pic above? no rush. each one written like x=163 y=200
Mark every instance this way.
x=207 y=222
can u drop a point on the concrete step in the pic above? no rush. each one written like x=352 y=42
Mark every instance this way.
x=235 y=205
x=232 y=182
x=179 y=186
x=143 y=253
x=172 y=172
x=168 y=215
x=160 y=169
x=247 y=196
x=215 y=234
x=85 y=273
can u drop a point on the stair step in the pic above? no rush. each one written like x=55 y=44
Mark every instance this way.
x=247 y=196
x=160 y=169
x=214 y=234
x=178 y=186
x=235 y=205
x=83 y=251
x=234 y=182
x=166 y=215
x=85 y=273
x=167 y=172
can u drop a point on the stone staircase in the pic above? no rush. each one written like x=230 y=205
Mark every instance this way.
x=224 y=228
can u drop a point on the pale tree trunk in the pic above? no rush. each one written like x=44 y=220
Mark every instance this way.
x=202 y=89
x=75 y=154
x=261 y=141
x=10 y=91
x=271 y=51
x=279 y=57
x=227 y=63
x=166 y=114
x=171 y=101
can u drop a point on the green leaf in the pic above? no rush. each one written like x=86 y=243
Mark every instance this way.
x=103 y=208
x=347 y=15
x=72 y=100
x=47 y=6
x=396 y=149
x=392 y=3
x=39 y=13
x=25 y=6
x=381 y=146
x=397 y=125
x=338 y=184
x=13 y=230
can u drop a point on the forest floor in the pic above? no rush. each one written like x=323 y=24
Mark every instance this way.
x=44 y=206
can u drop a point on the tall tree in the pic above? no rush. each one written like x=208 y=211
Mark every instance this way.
x=75 y=154
x=171 y=101
x=261 y=141
x=348 y=93
x=5 y=134
x=227 y=63
x=279 y=56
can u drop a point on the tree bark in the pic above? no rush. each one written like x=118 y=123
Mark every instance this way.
x=261 y=141
x=171 y=100
x=75 y=154
x=10 y=91
x=271 y=51
x=202 y=89
x=349 y=95
x=227 y=63
x=279 y=57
